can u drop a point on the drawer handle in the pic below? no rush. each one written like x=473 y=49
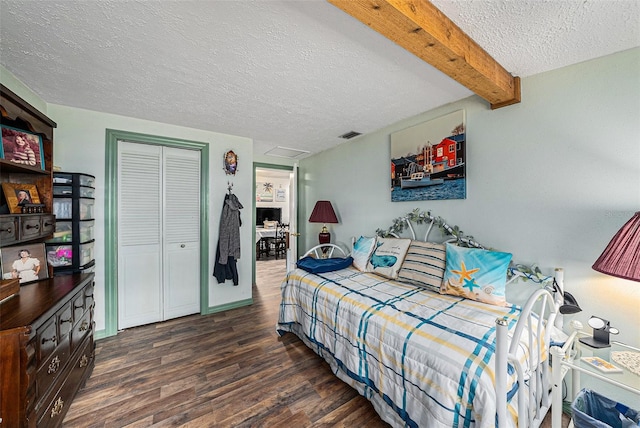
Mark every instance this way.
x=57 y=407
x=65 y=321
x=84 y=326
x=78 y=307
x=51 y=339
x=84 y=361
x=47 y=224
x=54 y=366
x=8 y=230
x=37 y=226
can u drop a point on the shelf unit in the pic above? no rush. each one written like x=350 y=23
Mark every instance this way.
x=71 y=248
x=15 y=228
x=569 y=360
x=46 y=326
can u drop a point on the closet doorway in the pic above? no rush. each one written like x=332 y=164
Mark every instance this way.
x=156 y=231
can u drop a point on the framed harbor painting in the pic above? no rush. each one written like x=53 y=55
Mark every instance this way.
x=428 y=160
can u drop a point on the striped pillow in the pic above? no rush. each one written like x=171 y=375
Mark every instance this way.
x=424 y=265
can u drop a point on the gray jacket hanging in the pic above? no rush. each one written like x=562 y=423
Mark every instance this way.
x=230 y=223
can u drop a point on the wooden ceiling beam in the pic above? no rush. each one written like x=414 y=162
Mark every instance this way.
x=422 y=29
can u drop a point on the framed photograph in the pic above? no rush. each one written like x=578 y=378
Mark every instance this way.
x=281 y=195
x=230 y=162
x=28 y=263
x=428 y=160
x=602 y=365
x=18 y=195
x=22 y=147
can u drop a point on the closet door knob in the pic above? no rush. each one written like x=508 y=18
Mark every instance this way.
x=182 y=245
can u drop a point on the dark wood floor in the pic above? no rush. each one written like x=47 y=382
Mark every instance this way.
x=222 y=370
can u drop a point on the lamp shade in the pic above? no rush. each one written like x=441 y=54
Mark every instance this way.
x=323 y=213
x=621 y=258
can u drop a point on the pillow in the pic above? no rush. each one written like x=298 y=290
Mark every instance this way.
x=361 y=252
x=313 y=265
x=388 y=255
x=424 y=265
x=476 y=274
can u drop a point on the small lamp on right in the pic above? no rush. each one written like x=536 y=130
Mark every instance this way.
x=621 y=259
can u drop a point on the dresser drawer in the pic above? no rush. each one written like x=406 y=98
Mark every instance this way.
x=82 y=302
x=47 y=339
x=48 y=224
x=8 y=230
x=88 y=296
x=30 y=227
x=52 y=409
x=52 y=367
x=80 y=329
x=65 y=320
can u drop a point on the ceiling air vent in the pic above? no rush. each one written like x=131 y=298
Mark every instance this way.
x=349 y=135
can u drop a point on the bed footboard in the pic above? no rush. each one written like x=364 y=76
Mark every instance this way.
x=532 y=330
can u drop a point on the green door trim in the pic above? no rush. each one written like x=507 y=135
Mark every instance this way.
x=113 y=136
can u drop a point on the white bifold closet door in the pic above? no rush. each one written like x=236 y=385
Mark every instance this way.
x=158 y=233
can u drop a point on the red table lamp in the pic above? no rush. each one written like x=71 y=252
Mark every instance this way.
x=323 y=213
x=621 y=258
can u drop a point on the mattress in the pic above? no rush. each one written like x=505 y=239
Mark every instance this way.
x=422 y=358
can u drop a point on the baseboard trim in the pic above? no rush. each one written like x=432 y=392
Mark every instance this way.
x=228 y=306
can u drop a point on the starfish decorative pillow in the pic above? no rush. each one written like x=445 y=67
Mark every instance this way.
x=476 y=274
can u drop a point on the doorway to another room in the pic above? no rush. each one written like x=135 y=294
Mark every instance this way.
x=272 y=215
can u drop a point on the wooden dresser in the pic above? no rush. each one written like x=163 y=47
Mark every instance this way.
x=46 y=349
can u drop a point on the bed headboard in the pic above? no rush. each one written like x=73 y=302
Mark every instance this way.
x=410 y=223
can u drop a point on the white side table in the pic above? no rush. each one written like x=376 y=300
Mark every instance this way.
x=627 y=382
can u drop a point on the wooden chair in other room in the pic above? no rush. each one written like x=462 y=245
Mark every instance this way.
x=262 y=248
x=279 y=244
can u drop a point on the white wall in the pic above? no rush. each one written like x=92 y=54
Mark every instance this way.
x=80 y=147
x=550 y=179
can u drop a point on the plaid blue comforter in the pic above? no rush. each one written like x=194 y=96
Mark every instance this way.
x=422 y=359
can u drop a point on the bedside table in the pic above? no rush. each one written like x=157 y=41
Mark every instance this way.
x=623 y=387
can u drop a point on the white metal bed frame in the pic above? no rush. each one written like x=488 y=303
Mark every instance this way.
x=535 y=378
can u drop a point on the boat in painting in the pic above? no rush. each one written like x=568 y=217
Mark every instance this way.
x=419 y=179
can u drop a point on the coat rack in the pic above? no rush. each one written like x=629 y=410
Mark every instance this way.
x=229 y=186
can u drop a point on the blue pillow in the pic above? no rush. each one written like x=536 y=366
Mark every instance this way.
x=476 y=274
x=313 y=265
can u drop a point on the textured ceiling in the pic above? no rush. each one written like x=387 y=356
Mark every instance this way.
x=285 y=73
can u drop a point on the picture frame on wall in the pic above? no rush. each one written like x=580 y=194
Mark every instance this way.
x=19 y=195
x=22 y=147
x=428 y=160
x=281 y=195
x=264 y=192
x=27 y=263
x=230 y=162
